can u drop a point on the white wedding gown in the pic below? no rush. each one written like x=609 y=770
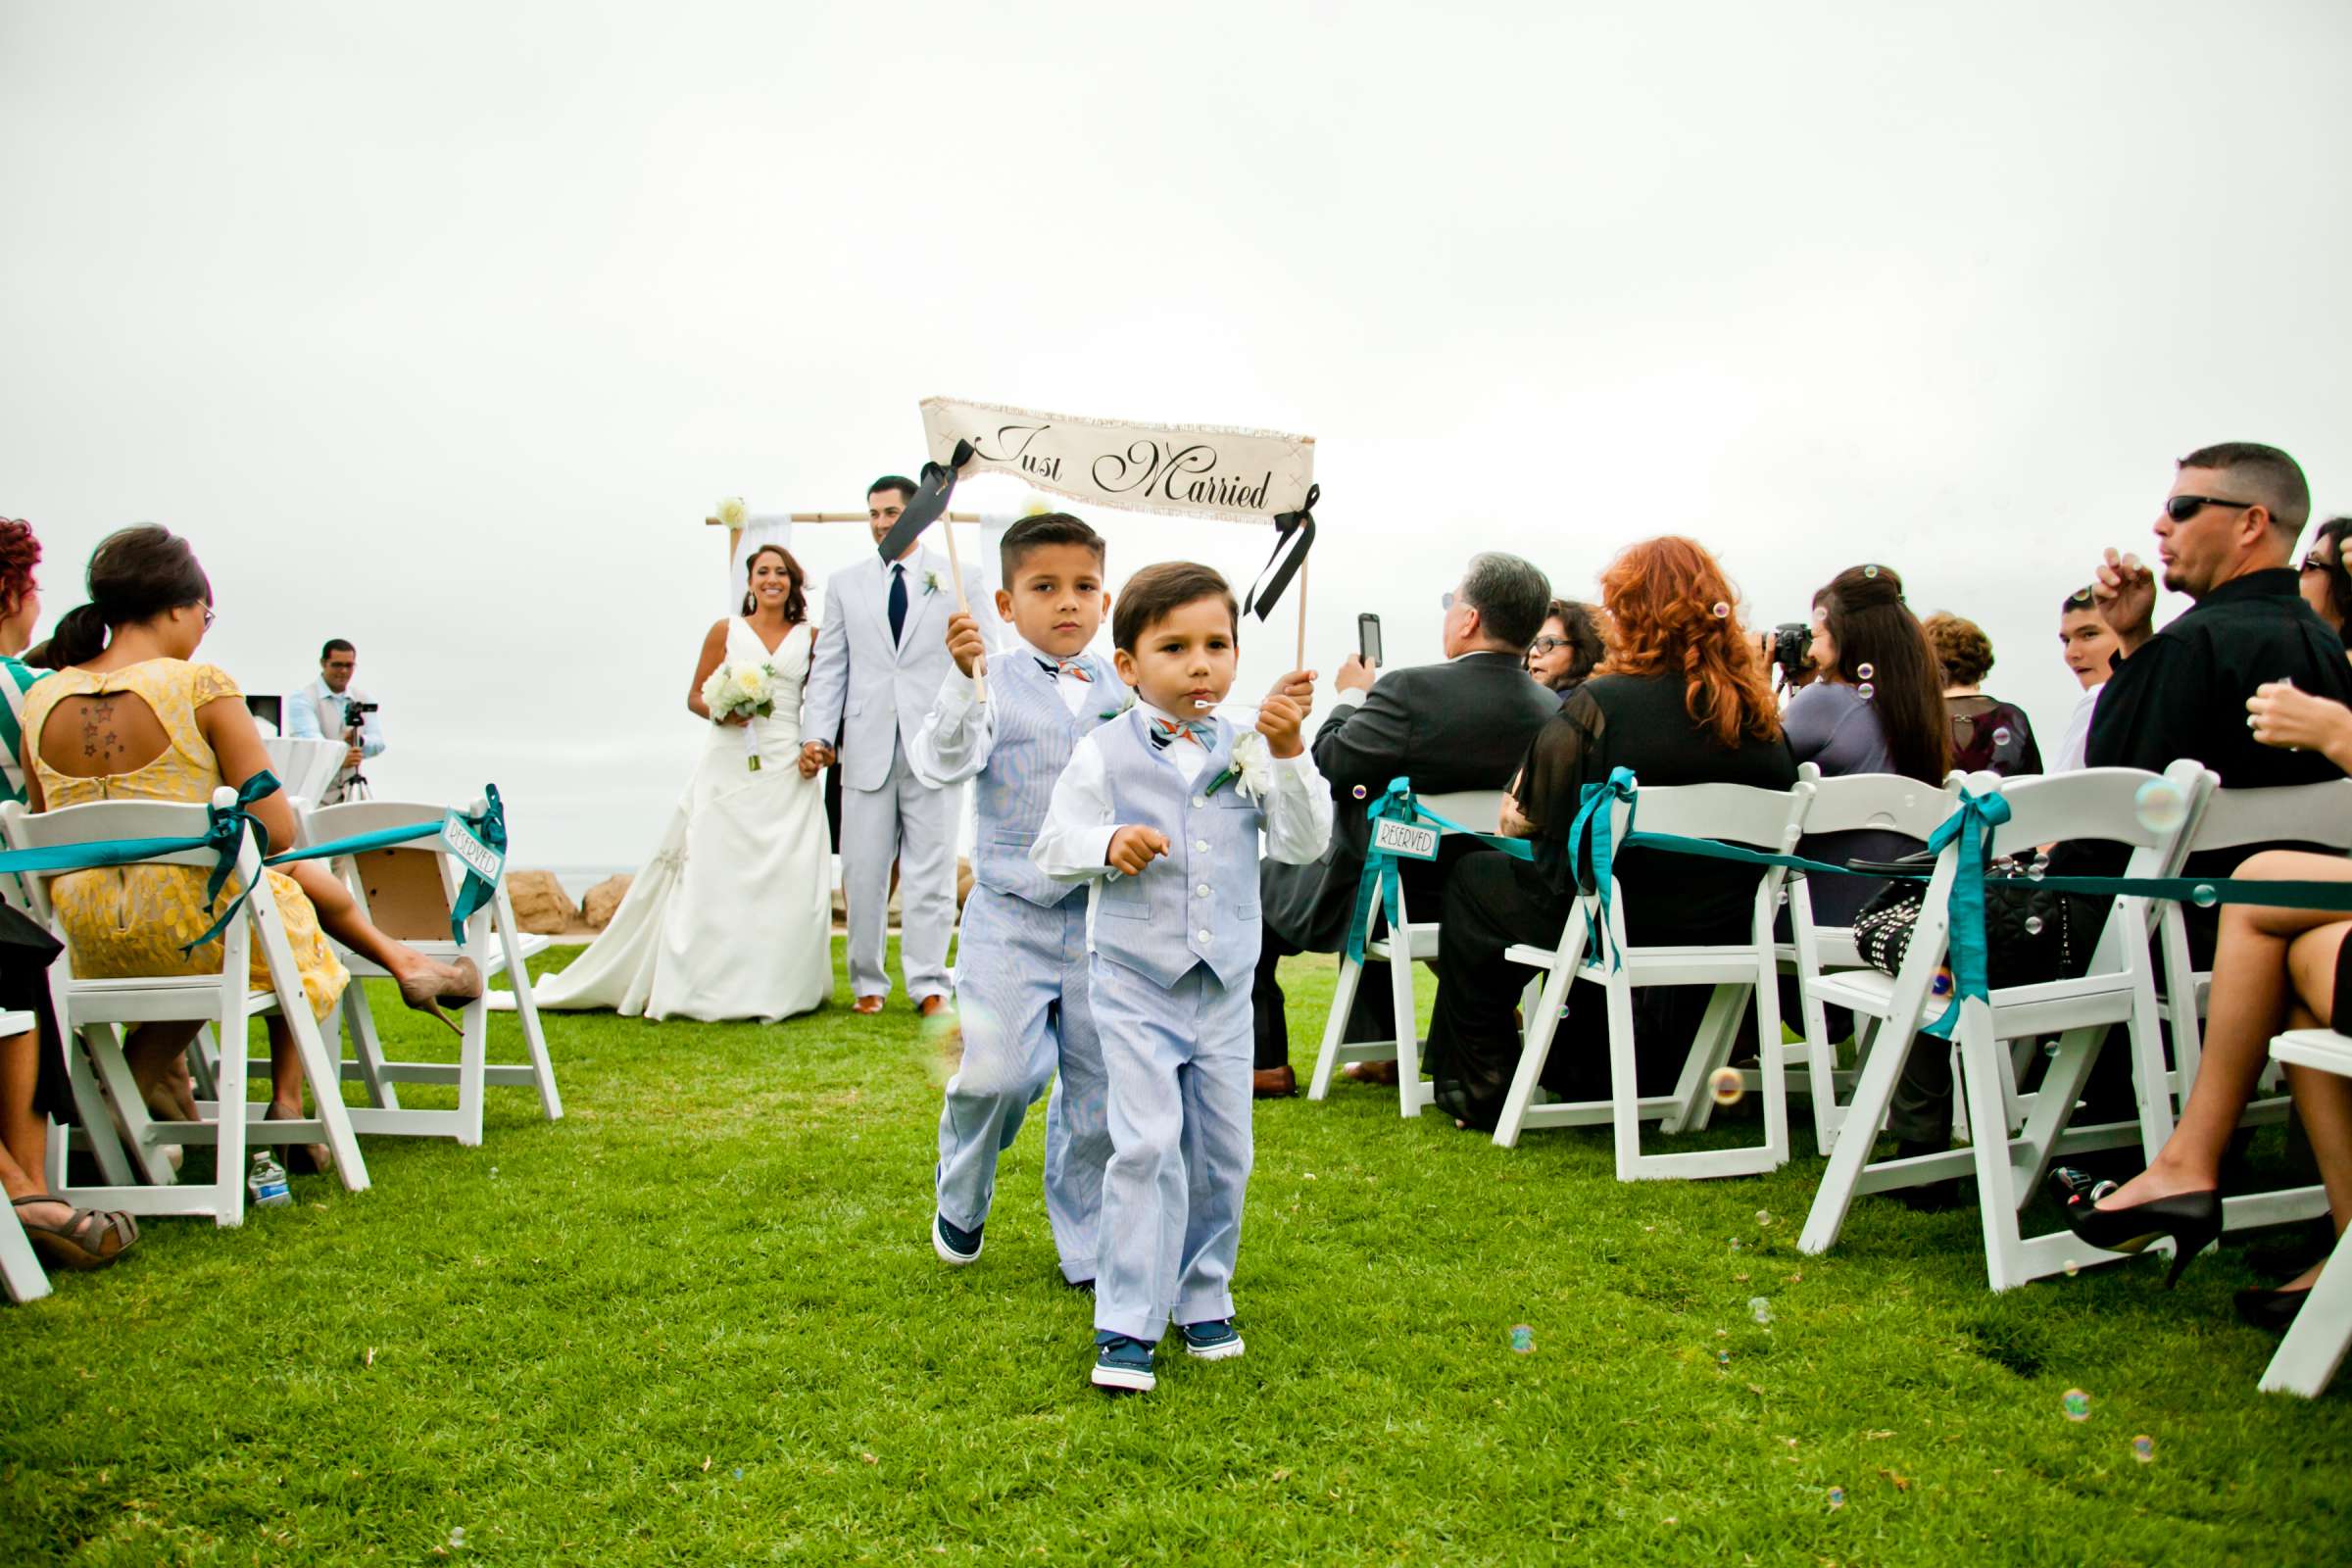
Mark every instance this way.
x=733 y=915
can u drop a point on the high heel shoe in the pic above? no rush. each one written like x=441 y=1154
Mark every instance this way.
x=2272 y=1309
x=2191 y=1219
x=461 y=981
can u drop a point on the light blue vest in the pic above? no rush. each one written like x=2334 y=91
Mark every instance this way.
x=1197 y=903
x=1034 y=733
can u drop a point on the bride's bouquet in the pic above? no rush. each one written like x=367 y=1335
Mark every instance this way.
x=741 y=690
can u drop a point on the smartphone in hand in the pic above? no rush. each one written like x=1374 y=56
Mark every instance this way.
x=1367 y=639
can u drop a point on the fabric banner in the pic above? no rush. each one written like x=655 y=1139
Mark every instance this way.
x=1195 y=470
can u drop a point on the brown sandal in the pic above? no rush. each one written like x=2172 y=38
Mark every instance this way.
x=461 y=981
x=80 y=1243
x=302 y=1159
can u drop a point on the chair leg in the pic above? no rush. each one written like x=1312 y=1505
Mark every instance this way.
x=1820 y=1063
x=526 y=1008
x=2152 y=1079
x=1711 y=1049
x=229 y=1116
x=1407 y=1010
x=20 y=1265
x=2315 y=1343
x=368 y=1047
x=89 y=1108
x=1335 y=1024
x=1543 y=1022
x=472 y=1056
x=1857 y=1131
x=1769 y=1057
x=1997 y=1197
x=122 y=1092
x=1625 y=1087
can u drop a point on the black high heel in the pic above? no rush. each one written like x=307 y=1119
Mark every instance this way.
x=2194 y=1220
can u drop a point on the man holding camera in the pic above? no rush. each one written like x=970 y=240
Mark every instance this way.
x=331 y=708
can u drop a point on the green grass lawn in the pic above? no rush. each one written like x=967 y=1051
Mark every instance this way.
x=699 y=1320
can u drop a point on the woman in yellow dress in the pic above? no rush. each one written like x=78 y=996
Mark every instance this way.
x=128 y=718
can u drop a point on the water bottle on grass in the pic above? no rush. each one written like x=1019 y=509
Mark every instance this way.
x=267 y=1184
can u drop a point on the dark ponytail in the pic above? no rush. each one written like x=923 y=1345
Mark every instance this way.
x=135 y=574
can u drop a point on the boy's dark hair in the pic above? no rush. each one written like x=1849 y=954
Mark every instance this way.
x=334 y=646
x=1155 y=593
x=2276 y=479
x=905 y=486
x=1046 y=528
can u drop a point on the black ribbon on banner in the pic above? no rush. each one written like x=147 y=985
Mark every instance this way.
x=937 y=483
x=1294 y=536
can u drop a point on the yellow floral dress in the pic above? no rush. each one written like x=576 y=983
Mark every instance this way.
x=130 y=921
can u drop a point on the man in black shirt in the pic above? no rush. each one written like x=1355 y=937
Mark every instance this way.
x=2225 y=538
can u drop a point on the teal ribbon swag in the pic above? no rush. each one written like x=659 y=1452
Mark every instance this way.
x=1971 y=824
x=1380 y=879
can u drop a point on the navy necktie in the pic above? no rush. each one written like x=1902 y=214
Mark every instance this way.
x=897 y=600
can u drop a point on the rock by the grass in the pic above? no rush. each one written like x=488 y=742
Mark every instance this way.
x=541 y=906
x=597 y=907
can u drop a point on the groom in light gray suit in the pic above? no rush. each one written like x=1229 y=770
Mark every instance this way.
x=881 y=654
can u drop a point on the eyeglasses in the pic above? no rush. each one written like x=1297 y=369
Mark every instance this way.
x=2182 y=508
x=209 y=617
x=1548 y=645
x=2315 y=562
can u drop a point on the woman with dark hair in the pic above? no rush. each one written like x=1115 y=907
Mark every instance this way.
x=1683 y=699
x=732 y=917
x=1987 y=735
x=126 y=716
x=1875 y=706
x=2328 y=575
x=1568 y=649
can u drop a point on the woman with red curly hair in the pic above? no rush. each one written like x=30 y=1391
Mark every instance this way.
x=1683 y=698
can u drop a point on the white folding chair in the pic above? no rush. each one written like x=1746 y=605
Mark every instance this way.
x=1407 y=943
x=92 y=1013
x=20 y=1265
x=1885 y=803
x=2120 y=987
x=2315 y=1343
x=1764 y=820
x=427 y=929
x=305 y=769
x=2318 y=814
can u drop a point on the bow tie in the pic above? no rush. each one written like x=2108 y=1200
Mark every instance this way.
x=1167 y=732
x=1059 y=667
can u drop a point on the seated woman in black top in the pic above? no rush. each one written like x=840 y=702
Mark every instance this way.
x=1683 y=699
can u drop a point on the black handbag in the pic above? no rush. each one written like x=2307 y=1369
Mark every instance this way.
x=2028 y=929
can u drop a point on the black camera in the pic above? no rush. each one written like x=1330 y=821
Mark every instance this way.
x=1792 y=651
x=355 y=714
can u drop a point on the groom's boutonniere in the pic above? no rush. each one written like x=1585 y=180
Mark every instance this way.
x=1119 y=703
x=930 y=583
x=1252 y=770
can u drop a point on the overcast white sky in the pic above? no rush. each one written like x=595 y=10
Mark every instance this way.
x=441 y=326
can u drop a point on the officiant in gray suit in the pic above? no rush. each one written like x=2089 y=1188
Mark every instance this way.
x=881 y=654
x=1460 y=725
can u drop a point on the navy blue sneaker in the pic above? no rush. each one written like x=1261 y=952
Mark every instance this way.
x=952 y=1244
x=1122 y=1364
x=1212 y=1341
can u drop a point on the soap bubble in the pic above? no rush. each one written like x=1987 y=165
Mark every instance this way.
x=1870 y=571
x=1866 y=691
x=1723 y=1360
x=457 y=1536
x=2159 y=805
x=1734 y=1243
x=2077 y=1405
x=2204 y=896
x=1941 y=984
x=1361 y=792
x=1722 y=610
x=2073 y=1268
x=1763 y=1216
x=1837 y=1496
x=2143 y=1448
x=739 y=1472
x=1523 y=1337
x=1759 y=1308
x=2002 y=737
x=1866 y=671
x=2032 y=925
x=1726 y=1085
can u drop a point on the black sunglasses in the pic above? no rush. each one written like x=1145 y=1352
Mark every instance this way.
x=2182 y=508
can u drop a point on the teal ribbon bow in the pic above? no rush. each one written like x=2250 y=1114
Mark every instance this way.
x=490 y=827
x=1590 y=843
x=1381 y=879
x=224 y=835
x=1971 y=824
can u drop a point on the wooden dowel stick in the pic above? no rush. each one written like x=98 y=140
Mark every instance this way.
x=964 y=604
x=849 y=517
x=1301 y=665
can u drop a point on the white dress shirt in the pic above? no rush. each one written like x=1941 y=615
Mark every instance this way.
x=958 y=733
x=2078 y=733
x=1074 y=841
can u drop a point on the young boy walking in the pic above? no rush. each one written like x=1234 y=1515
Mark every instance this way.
x=1159 y=811
x=1020 y=959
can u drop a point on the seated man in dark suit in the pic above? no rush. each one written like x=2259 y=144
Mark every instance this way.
x=1460 y=725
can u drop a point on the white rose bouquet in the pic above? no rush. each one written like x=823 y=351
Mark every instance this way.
x=748 y=690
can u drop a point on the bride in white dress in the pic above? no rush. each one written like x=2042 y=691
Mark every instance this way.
x=732 y=917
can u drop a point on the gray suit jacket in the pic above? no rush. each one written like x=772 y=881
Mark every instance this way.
x=873 y=692
x=1460 y=725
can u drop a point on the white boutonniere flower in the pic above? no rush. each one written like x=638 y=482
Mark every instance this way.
x=1119 y=703
x=930 y=583
x=732 y=511
x=1252 y=765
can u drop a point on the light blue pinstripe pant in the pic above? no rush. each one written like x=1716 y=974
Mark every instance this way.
x=1022 y=992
